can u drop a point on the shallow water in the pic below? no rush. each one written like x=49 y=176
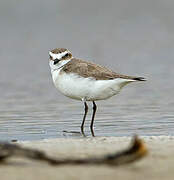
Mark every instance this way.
x=134 y=38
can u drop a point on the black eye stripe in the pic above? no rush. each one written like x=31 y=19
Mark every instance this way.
x=56 y=61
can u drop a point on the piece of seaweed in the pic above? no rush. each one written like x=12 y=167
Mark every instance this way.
x=136 y=151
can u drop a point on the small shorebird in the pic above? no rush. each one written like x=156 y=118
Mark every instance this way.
x=85 y=81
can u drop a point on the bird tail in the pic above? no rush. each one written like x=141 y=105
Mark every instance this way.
x=138 y=79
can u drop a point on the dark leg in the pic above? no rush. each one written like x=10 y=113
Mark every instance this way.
x=84 y=117
x=92 y=121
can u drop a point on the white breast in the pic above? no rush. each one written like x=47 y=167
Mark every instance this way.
x=77 y=87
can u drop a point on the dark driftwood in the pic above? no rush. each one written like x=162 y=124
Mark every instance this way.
x=136 y=151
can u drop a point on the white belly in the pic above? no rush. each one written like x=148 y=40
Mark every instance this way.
x=77 y=87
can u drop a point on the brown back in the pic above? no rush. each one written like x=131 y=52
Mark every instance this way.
x=88 y=69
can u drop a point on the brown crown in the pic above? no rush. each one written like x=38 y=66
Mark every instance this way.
x=58 y=50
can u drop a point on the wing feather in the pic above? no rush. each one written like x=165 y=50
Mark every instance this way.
x=88 y=69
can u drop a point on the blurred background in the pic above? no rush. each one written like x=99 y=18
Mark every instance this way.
x=132 y=37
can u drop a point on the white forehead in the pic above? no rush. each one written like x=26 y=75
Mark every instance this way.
x=57 y=56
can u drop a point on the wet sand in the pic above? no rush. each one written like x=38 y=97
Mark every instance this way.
x=158 y=164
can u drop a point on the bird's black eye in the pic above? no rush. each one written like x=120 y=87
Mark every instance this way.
x=51 y=58
x=66 y=55
x=56 y=61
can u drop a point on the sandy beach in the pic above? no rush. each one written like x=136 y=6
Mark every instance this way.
x=158 y=164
